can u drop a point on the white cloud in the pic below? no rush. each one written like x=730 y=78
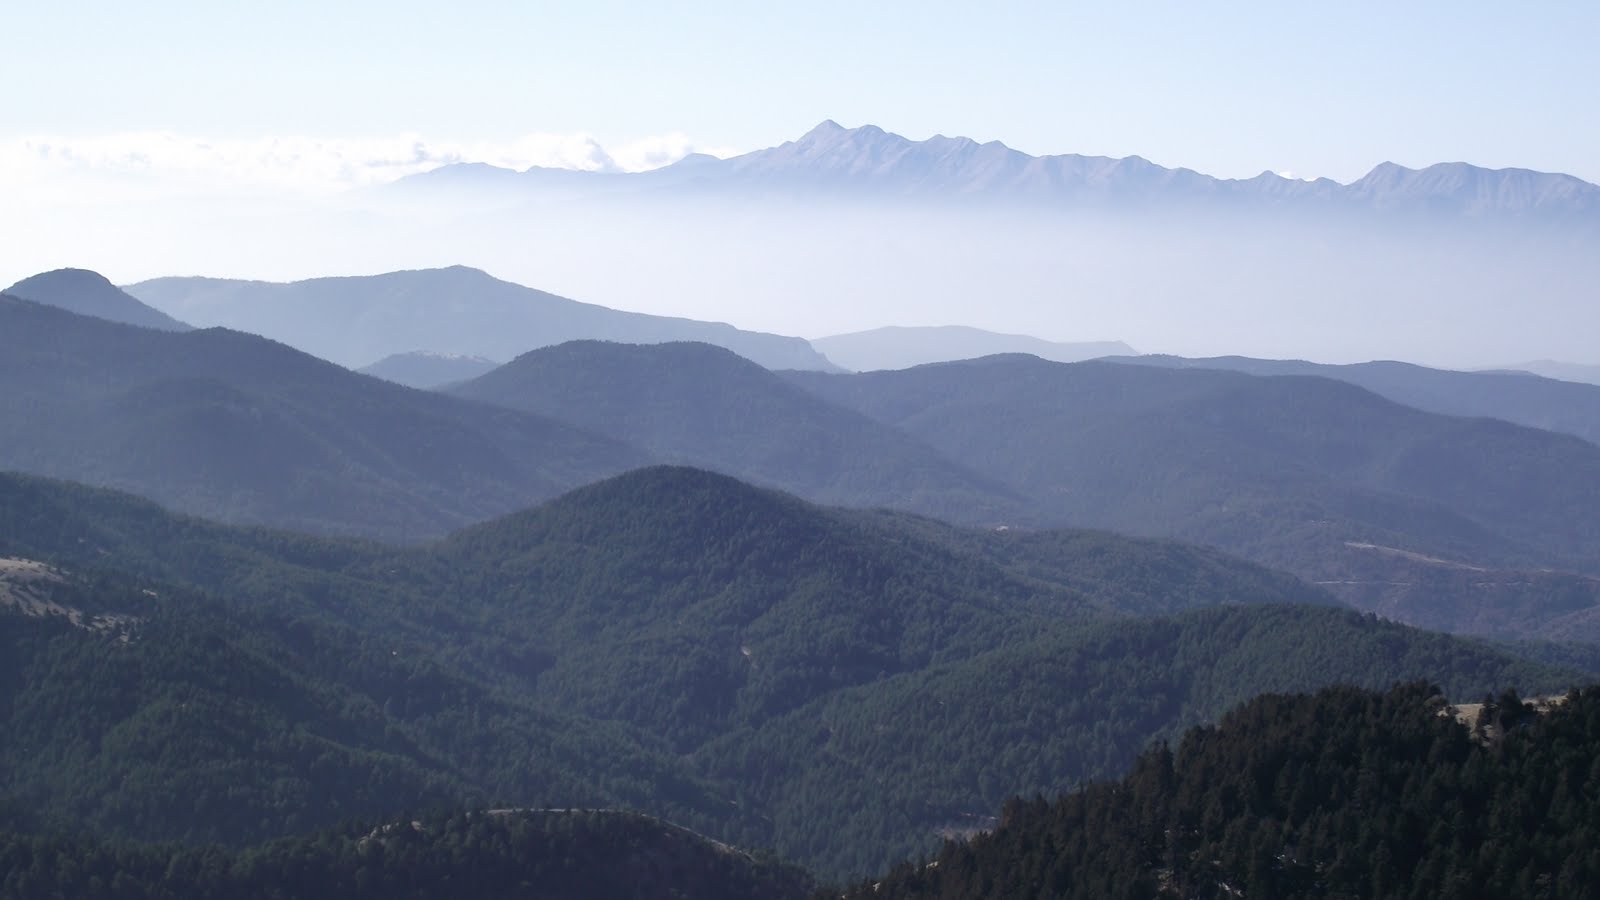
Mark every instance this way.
x=305 y=163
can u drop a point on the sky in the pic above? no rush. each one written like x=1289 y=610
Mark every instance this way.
x=1228 y=89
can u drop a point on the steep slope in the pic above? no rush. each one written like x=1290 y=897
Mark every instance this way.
x=705 y=406
x=898 y=347
x=246 y=430
x=424 y=369
x=90 y=294
x=1546 y=403
x=355 y=320
x=1342 y=794
x=1309 y=474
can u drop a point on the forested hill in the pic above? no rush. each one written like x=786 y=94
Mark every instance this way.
x=497 y=855
x=840 y=686
x=1342 y=794
x=702 y=405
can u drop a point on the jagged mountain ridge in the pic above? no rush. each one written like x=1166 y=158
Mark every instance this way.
x=871 y=160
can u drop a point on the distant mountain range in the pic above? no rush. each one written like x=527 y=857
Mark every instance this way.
x=901 y=347
x=427 y=369
x=1564 y=371
x=1567 y=406
x=357 y=321
x=867 y=159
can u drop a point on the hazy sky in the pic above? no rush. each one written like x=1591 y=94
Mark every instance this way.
x=1228 y=89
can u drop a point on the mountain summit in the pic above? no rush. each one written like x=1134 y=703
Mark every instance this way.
x=91 y=294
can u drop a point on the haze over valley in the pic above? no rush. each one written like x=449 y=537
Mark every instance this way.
x=850 y=229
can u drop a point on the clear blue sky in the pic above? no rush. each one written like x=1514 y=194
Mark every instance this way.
x=1229 y=89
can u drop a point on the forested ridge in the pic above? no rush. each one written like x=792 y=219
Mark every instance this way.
x=672 y=641
x=1344 y=793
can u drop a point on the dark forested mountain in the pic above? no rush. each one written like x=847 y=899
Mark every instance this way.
x=705 y=406
x=353 y=321
x=489 y=855
x=1342 y=794
x=671 y=641
x=426 y=369
x=1526 y=399
x=90 y=294
x=1323 y=478
x=927 y=748
x=899 y=347
x=247 y=430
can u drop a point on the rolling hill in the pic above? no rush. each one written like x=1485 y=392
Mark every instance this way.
x=243 y=429
x=1312 y=475
x=355 y=320
x=705 y=406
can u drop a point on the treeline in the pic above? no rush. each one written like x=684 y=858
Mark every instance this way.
x=1346 y=793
